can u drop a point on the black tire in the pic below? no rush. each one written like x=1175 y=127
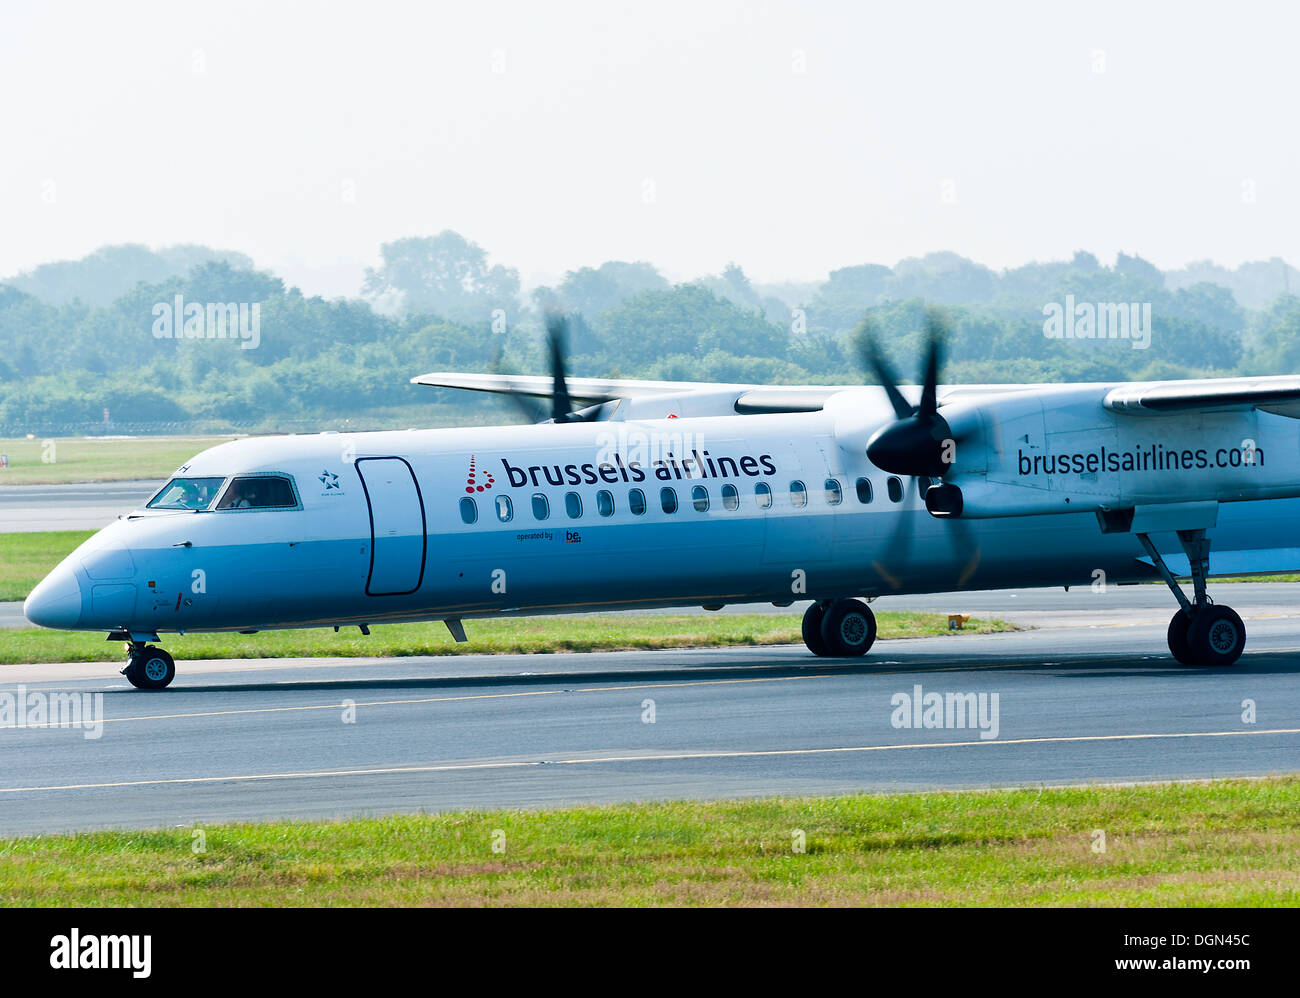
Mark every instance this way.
x=1177 y=638
x=1217 y=636
x=150 y=668
x=848 y=628
x=812 y=630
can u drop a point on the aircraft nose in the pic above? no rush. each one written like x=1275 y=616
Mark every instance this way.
x=56 y=602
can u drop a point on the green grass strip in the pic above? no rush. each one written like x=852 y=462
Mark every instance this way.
x=502 y=635
x=1219 y=843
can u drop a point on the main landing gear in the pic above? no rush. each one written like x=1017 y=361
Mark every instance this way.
x=1201 y=632
x=148 y=667
x=841 y=628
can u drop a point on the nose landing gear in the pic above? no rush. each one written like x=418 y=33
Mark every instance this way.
x=1201 y=632
x=148 y=667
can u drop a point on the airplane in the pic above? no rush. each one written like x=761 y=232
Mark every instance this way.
x=638 y=494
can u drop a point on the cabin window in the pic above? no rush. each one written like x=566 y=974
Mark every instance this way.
x=864 y=491
x=834 y=494
x=636 y=502
x=573 y=505
x=259 y=492
x=605 y=502
x=505 y=511
x=187 y=493
x=700 y=499
x=763 y=495
x=541 y=508
x=924 y=483
x=798 y=495
x=895 y=489
x=468 y=510
x=668 y=499
x=730 y=497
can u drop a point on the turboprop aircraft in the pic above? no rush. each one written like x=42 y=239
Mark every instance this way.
x=660 y=494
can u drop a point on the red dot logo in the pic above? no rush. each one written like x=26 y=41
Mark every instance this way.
x=471 y=480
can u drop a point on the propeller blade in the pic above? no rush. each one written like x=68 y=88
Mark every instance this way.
x=935 y=335
x=528 y=407
x=918 y=441
x=557 y=330
x=873 y=360
x=967 y=547
x=561 y=403
x=893 y=563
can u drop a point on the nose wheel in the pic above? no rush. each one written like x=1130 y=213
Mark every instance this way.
x=149 y=668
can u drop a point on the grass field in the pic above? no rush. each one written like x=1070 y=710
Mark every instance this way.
x=530 y=635
x=1291 y=577
x=1222 y=843
x=25 y=559
x=95 y=459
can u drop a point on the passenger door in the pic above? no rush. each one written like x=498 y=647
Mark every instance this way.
x=398 y=540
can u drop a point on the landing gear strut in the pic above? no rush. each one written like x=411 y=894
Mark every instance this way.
x=841 y=628
x=1201 y=632
x=148 y=667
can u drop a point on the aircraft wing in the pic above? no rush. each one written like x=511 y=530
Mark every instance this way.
x=1279 y=395
x=748 y=398
x=591 y=390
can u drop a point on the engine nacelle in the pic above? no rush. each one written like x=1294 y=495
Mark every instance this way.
x=1062 y=451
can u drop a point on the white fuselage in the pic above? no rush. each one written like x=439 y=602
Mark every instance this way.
x=410 y=525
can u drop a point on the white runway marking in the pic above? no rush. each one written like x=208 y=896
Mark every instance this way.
x=649 y=757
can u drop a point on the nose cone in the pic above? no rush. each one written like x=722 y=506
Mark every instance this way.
x=56 y=602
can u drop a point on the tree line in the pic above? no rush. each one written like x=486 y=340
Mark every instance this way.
x=81 y=338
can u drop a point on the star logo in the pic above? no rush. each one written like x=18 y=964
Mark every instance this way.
x=329 y=480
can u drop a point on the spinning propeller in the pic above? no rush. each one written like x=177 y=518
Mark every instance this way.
x=561 y=408
x=918 y=445
x=920 y=441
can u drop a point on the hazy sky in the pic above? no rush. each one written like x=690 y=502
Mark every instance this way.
x=791 y=138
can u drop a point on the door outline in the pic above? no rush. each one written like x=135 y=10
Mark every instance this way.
x=370 y=512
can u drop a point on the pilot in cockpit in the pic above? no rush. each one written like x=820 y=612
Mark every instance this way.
x=243 y=495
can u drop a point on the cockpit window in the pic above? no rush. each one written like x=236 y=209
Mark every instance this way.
x=259 y=492
x=187 y=493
